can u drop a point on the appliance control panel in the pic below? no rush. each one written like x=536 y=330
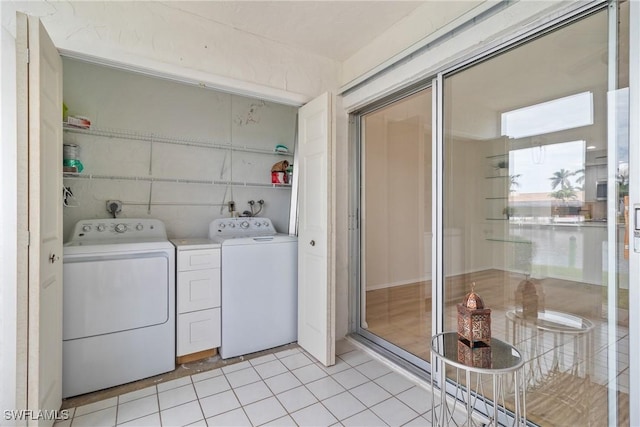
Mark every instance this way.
x=118 y=228
x=241 y=227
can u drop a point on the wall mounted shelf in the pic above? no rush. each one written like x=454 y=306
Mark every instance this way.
x=68 y=175
x=150 y=137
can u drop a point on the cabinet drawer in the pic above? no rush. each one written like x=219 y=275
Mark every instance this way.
x=198 y=331
x=198 y=259
x=198 y=290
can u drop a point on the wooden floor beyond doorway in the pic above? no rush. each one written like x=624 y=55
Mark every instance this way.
x=401 y=315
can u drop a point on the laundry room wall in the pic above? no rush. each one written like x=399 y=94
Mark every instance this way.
x=184 y=182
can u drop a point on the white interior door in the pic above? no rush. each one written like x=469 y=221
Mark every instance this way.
x=44 y=82
x=316 y=287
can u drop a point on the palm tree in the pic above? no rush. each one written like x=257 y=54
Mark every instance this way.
x=561 y=178
x=579 y=174
x=513 y=182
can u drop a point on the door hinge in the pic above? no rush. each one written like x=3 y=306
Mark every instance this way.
x=28 y=238
x=28 y=56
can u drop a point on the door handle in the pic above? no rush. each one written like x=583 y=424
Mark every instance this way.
x=53 y=258
x=312 y=243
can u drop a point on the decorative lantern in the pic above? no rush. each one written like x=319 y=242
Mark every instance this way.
x=474 y=320
x=478 y=356
x=528 y=303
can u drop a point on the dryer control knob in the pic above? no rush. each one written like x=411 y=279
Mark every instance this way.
x=258 y=224
x=222 y=225
x=86 y=228
x=121 y=228
x=232 y=225
x=244 y=224
x=265 y=223
x=101 y=227
x=139 y=227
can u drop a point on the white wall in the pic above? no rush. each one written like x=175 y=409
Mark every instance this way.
x=120 y=100
x=417 y=25
x=158 y=36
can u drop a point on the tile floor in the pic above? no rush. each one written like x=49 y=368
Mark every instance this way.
x=286 y=388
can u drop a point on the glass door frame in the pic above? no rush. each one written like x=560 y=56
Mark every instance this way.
x=543 y=26
x=409 y=361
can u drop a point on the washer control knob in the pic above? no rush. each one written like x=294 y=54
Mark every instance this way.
x=86 y=228
x=101 y=227
x=232 y=225
x=121 y=228
x=222 y=225
x=258 y=224
x=265 y=223
x=139 y=227
x=244 y=224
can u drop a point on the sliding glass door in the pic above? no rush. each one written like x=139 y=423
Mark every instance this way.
x=396 y=224
x=535 y=187
x=530 y=160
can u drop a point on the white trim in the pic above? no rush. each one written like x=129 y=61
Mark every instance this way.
x=399 y=283
x=634 y=196
x=446 y=30
x=191 y=76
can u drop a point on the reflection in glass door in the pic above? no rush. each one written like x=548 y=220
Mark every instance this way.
x=396 y=222
x=534 y=214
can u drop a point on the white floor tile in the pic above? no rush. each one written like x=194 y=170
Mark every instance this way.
x=287 y=353
x=418 y=422
x=152 y=420
x=237 y=417
x=295 y=361
x=211 y=386
x=200 y=423
x=417 y=399
x=282 y=382
x=373 y=369
x=339 y=366
x=144 y=392
x=356 y=357
x=236 y=367
x=314 y=415
x=137 y=408
x=364 y=418
x=263 y=359
x=296 y=398
x=370 y=393
x=394 y=412
x=102 y=418
x=242 y=377
x=394 y=383
x=350 y=378
x=179 y=382
x=343 y=405
x=206 y=375
x=285 y=421
x=182 y=415
x=219 y=403
x=177 y=396
x=344 y=346
x=265 y=411
x=96 y=406
x=309 y=373
x=252 y=392
x=325 y=387
x=270 y=369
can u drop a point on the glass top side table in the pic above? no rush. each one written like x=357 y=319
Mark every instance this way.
x=501 y=362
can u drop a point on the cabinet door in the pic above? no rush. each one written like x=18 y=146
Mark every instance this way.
x=198 y=259
x=198 y=290
x=198 y=331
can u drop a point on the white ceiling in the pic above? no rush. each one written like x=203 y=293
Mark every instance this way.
x=333 y=29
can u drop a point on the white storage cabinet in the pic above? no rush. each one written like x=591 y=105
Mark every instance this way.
x=198 y=326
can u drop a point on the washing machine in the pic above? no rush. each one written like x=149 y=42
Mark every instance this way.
x=259 y=285
x=118 y=304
